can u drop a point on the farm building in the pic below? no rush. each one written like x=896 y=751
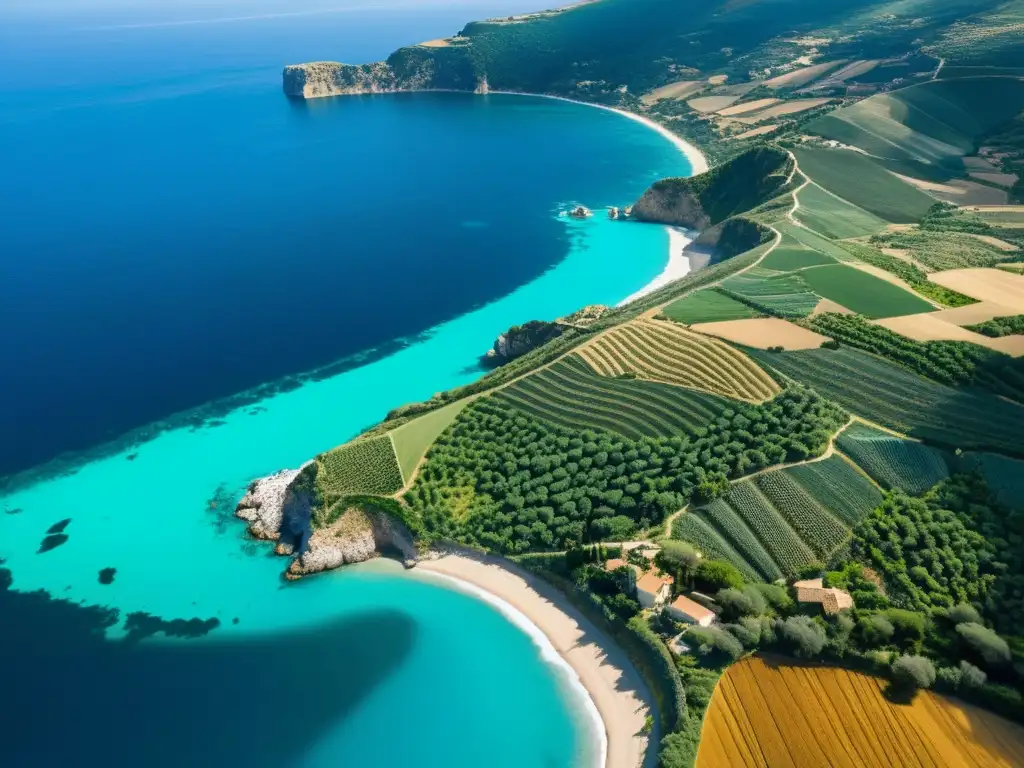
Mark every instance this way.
x=652 y=590
x=616 y=563
x=814 y=591
x=685 y=609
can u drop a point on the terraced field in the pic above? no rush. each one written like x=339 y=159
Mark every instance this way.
x=781 y=292
x=570 y=393
x=774 y=712
x=782 y=520
x=364 y=466
x=834 y=217
x=892 y=461
x=667 y=352
x=862 y=292
x=865 y=183
x=894 y=397
x=708 y=306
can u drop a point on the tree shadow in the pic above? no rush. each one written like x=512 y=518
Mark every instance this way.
x=76 y=698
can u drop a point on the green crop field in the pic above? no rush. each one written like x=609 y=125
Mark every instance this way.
x=770 y=527
x=862 y=292
x=837 y=487
x=817 y=527
x=813 y=240
x=708 y=306
x=864 y=183
x=783 y=520
x=668 y=352
x=894 y=397
x=827 y=214
x=412 y=440
x=791 y=255
x=932 y=124
x=710 y=543
x=1005 y=477
x=1004 y=216
x=571 y=394
x=892 y=461
x=782 y=292
x=720 y=515
x=940 y=251
x=365 y=466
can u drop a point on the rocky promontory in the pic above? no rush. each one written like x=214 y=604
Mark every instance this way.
x=280 y=508
x=520 y=339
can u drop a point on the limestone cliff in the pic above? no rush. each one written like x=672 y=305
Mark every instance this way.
x=329 y=78
x=520 y=339
x=280 y=508
x=671 y=201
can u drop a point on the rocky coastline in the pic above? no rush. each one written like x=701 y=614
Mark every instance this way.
x=279 y=511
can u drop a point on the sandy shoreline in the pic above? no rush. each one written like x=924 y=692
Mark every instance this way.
x=698 y=163
x=678 y=266
x=615 y=687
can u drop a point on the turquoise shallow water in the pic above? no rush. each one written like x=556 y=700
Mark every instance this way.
x=451 y=676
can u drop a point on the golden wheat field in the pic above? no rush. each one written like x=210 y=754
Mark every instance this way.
x=770 y=712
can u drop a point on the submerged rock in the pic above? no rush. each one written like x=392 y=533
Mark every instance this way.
x=52 y=541
x=59 y=527
x=107 y=575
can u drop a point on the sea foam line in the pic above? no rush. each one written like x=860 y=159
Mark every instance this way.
x=548 y=653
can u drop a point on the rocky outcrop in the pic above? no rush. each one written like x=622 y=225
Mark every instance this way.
x=581 y=212
x=263 y=504
x=360 y=534
x=614 y=212
x=520 y=339
x=583 y=318
x=330 y=78
x=671 y=201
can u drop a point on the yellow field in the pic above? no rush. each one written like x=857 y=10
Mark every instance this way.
x=768 y=712
x=667 y=352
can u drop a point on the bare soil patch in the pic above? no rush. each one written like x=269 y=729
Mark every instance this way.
x=718 y=79
x=959 y=191
x=785 y=108
x=750 y=106
x=1002 y=245
x=708 y=104
x=803 y=76
x=440 y=42
x=827 y=305
x=678 y=90
x=928 y=327
x=995 y=177
x=762 y=333
x=993 y=285
x=975 y=313
x=759 y=131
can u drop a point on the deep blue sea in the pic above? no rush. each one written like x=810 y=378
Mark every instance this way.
x=175 y=232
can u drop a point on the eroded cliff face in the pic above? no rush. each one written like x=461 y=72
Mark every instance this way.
x=520 y=339
x=330 y=78
x=670 y=201
x=279 y=508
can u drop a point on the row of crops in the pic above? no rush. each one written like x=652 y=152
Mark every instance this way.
x=894 y=397
x=365 y=466
x=670 y=353
x=893 y=462
x=785 y=293
x=571 y=394
x=780 y=521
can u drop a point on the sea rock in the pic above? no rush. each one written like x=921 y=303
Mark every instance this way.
x=263 y=504
x=614 y=212
x=581 y=212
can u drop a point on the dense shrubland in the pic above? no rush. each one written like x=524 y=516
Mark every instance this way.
x=501 y=479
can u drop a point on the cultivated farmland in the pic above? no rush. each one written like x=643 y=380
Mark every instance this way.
x=763 y=333
x=892 y=461
x=669 y=353
x=570 y=393
x=784 y=519
x=889 y=394
x=778 y=292
x=1005 y=477
x=773 y=712
x=833 y=217
x=864 y=183
x=364 y=466
x=792 y=254
x=862 y=292
x=707 y=306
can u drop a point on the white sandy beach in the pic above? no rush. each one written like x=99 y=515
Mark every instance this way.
x=678 y=266
x=615 y=687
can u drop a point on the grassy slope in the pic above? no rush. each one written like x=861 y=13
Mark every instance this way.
x=792 y=254
x=707 y=306
x=862 y=292
x=892 y=461
x=865 y=183
x=896 y=398
x=834 y=217
x=414 y=438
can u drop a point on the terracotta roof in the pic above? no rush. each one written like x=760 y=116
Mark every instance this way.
x=611 y=565
x=695 y=611
x=652 y=582
x=832 y=600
